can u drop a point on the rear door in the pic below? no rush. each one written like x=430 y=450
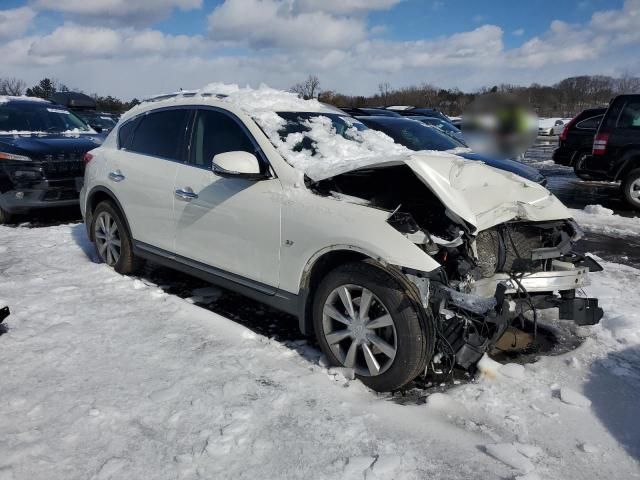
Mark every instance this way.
x=231 y=224
x=143 y=170
x=626 y=134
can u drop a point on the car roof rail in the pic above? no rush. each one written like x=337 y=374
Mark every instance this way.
x=183 y=94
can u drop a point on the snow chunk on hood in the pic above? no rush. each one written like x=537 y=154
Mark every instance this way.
x=23 y=98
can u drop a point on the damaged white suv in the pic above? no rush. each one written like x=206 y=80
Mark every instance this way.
x=399 y=261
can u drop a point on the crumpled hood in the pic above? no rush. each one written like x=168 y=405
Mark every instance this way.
x=484 y=196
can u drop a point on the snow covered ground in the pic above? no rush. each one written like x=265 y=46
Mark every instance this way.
x=105 y=376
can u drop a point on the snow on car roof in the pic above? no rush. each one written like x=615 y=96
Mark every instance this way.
x=21 y=98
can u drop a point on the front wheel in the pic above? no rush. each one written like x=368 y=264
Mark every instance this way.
x=364 y=320
x=631 y=188
x=112 y=239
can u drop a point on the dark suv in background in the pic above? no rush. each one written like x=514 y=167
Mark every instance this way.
x=616 y=148
x=86 y=108
x=576 y=140
x=42 y=148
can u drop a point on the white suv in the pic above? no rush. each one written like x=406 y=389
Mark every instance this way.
x=398 y=261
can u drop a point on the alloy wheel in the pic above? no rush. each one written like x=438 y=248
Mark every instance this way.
x=107 y=238
x=359 y=330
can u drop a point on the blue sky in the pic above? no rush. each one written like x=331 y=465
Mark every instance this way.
x=135 y=47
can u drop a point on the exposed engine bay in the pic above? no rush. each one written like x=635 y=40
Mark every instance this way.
x=488 y=279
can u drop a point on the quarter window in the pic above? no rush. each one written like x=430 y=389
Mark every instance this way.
x=590 y=123
x=161 y=134
x=630 y=116
x=125 y=134
x=214 y=133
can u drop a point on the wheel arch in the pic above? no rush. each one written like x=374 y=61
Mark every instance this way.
x=630 y=161
x=96 y=196
x=327 y=259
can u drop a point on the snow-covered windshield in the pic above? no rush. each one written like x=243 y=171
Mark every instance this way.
x=40 y=118
x=324 y=144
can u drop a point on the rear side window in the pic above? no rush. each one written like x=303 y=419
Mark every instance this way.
x=590 y=123
x=125 y=134
x=161 y=134
x=630 y=115
x=214 y=133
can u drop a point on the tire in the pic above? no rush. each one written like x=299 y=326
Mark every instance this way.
x=631 y=188
x=399 y=325
x=577 y=168
x=5 y=217
x=114 y=247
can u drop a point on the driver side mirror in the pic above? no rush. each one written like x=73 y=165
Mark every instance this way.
x=236 y=164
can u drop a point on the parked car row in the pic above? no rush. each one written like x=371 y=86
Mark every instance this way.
x=604 y=144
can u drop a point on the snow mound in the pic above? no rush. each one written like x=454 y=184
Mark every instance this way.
x=597 y=210
x=598 y=219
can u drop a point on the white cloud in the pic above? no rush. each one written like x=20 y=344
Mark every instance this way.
x=291 y=39
x=278 y=24
x=342 y=7
x=518 y=32
x=118 y=11
x=15 y=22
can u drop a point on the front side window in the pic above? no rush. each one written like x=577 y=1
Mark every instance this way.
x=161 y=134
x=216 y=132
x=630 y=116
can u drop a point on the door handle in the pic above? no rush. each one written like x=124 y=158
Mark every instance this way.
x=116 y=176
x=186 y=194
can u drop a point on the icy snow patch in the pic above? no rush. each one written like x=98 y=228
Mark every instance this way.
x=509 y=454
x=572 y=397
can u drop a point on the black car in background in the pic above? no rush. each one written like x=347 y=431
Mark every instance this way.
x=616 y=148
x=576 y=140
x=86 y=108
x=370 y=111
x=418 y=136
x=42 y=148
x=424 y=112
x=445 y=127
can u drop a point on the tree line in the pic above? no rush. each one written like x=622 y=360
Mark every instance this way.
x=46 y=87
x=565 y=98
x=562 y=99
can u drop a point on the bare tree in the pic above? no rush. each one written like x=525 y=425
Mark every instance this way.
x=12 y=86
x=308 y=89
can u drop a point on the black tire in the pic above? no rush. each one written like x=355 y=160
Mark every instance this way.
x=631 y=188
x=414 y=334
x=578 y=165
x=127 y=262
x=5 y=217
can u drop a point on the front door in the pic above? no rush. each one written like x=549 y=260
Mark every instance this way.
x=231 y=224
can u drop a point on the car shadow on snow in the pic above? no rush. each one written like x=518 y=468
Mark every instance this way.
x=614 y=390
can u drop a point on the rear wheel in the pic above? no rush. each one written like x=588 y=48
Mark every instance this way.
x=112 y=239
x=578 y=166
x=364 y=320
x=631 y=188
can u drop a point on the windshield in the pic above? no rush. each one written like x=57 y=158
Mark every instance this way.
x=417 y=136
x=96 y=119
x=32 y=117
x=301 y=123
x=323 y=143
